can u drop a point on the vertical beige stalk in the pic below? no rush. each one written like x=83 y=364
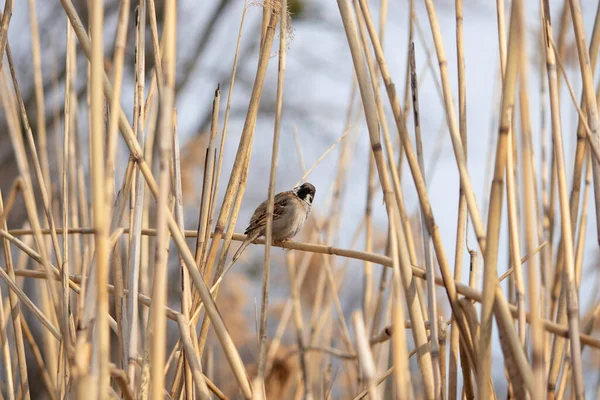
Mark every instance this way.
x=462 y=205
x=283 y=20
x=572 y=308
x=4 y=21
x=237 y=181
x=427 y=252
x=207 y=182
x=365 y=357
x=490 y=278
x=590 y=99
x=432 y=227
x=242 y=157
x=66 y=162
x=374 y=135
x=513 y=227
x=101 y=213
x=5 y=348
x=229 y=349
x=530 y=210
x=159 y=292
x=137 y=199
x=226 y=119
x=15 y=309
x=39 y=93
x=186 y=290
x=402 y=376
x=453 y=126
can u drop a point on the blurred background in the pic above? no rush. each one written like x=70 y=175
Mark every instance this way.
x=317 y=99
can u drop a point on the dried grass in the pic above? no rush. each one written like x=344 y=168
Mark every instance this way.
x=106 y=318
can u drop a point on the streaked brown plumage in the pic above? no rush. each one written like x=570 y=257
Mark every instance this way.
x=291 y=209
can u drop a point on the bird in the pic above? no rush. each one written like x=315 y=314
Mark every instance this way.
x=290 y=210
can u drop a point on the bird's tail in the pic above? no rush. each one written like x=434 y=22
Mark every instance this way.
x=251 y=238
x=241 y=249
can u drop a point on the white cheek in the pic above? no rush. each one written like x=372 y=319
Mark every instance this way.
x=309 y=198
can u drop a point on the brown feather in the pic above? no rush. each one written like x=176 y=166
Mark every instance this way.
x=259 y=218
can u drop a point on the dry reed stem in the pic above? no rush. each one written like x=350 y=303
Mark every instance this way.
x=295 y=281
x=15 y=311
x=51 y=349
x=134 y=147
x=513 y=226
x=394 y=172
x=402 y=375
x=226 y=117
x=465 y=290
x=186 y=293
x=453 y=127
x=118 y=58
x=462 y=205
x=158 y=75
x=27 y=302
x=365 y=357
x=4 y=22
x=242 y=158
x=428 y=256
x=373 y=126
x=524 y=376
x=166 y=132
x=271 y=194
x=137 y=198
x=207 y=183
x=415 y=170
x=490 y=279
x=572 y=309
x=25 y=186
x=66 y=162
x=101 y=213
x=9 y=389
x=240 y=166
x=580 y=144
x=582 y=228
x=590 y=99
x=24 y=169
x=299 y=277
x=39 y=94
x=37 y=355
x=192 y=357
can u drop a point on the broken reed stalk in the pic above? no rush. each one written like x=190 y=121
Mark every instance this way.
x=207 y=189
x=237 y=186
x=136 y=152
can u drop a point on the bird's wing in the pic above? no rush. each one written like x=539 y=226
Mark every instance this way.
x=259 y=218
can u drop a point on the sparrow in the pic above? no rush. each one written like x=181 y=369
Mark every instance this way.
x=290 y=211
